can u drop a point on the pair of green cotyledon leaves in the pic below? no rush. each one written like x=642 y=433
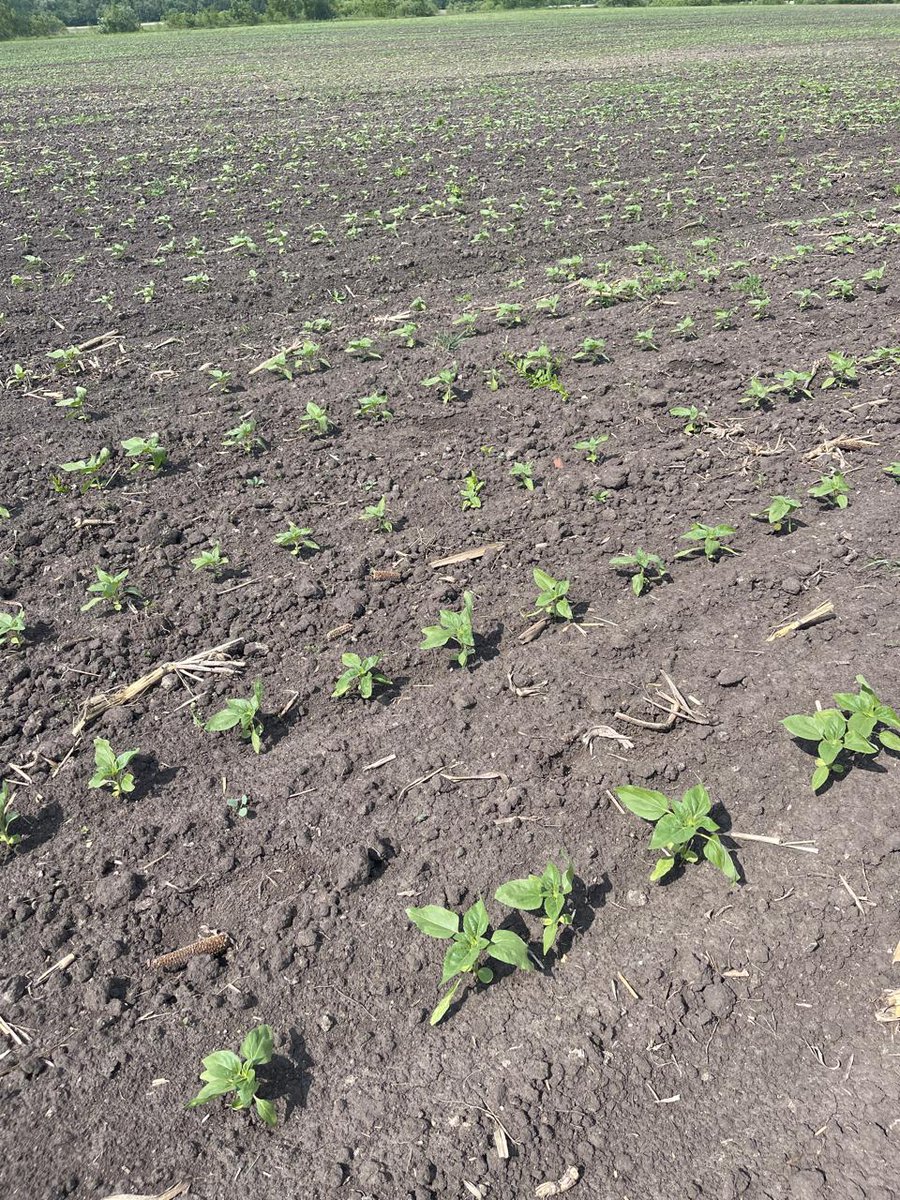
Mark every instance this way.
x=470 y=937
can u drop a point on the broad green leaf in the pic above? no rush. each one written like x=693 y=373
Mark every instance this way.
x=484 y=974
x=820 y=776
x=435 y=635
x=461 y=956
x=365 y=686
x=350 y=660
x=221 y=1064
x=643 y=803
x=564 y=609
x=670 y=831
x=521 y=893
x=475 y=921
x=696 y=801
x=549 y=937
x=890 y=739
x=508 y=947
x=862 y=724
x=542 y=580
x=716 y=853
x=833 y=724
x=257 y=1046
x=216 y=1087
x=226 y=719
x=803 y=727
x=828 y=751
x=663 y=867
x=857 y=743
x=104 y=756
x=553 y=906
x=443 y=1004
x=435 y=921
x=266 y=1110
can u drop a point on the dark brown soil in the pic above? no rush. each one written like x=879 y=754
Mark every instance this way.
x=687 y=1041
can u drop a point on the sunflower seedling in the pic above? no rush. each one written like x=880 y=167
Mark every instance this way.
x=110 y=588
x=225 y=1072
x=551 y=599
x=241 y=713
x=145 y=452
x=678 y=827
x=12 y=628
x=377 y=514
x=360 y=674
x=469 y=944
x=778 y=514
x=523 y=474
x=73 y=406
x=893 y=469
x=315 y=420
x=843 y=371
x=646 y=569
x=833 y=490
x=7 y=815
x=454 y=627
x=243 y=437
x=239 y=805
x=547 y=891
x=375 y=407
x=838 y=736
x=445 y=379
x=471 y=491
x=86 y=470
x=112 y=769
x=212 y=560
x=591 y=446
x=709 y=540
x=296 y=539
x=695 y=421
x=593 y=350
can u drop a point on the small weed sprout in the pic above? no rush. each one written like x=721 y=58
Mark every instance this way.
x=469 y=944
x=110 y=589
x=709 y=540
x=848 y=729
x=241 y=713
x=523 y=474
x=778 y=514
x=112 y=769
x=547 y=891
x=453 y=627
x=225 y=1072
x=145 y=452
x=590 y=447
x=360 y=674
x=212 y=560
x=7 y=815
x=296 y=539
x=551 y=599
x=12 y=628
x=471 y=491
x=677 y=826
x=646 y=569
x=377 y=514
x=315 y=420
x=833 y=490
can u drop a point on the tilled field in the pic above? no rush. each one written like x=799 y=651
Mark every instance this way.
x=259 y=246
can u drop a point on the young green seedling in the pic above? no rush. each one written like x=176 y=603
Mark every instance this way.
x=677 y=827
x=243 y=437
x=363 y=348
x=145 y=451
x=778 y=514
x=73 y=406
x=444 y=379
x=225 y=1072
x=551 y=599
x=242 y=713
x=296 y=539
x=7 y=815
x=757 y=395
x=87 y=470
x=523 y=474
x=377 y=514
x=893 y=469
x=212 y=560
x=239 y=805
x=548 y=891
x=469 y=944
x=112 y=769
x=843 y=371
x=12 y=628
x=471 y=491
x=591 y=446
x=709 y=540
x=593 y=350
x=454 y=627
x=838 y=735
x=112 y=589
x=646 y=569
x=314 y=421
x=833 y=490
x=375 y=407
x=360 y=674
x=695 y=421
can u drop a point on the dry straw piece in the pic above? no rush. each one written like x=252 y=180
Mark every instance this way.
x=215 y=944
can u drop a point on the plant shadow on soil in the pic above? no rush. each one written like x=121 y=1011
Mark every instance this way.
x=287 y=1076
